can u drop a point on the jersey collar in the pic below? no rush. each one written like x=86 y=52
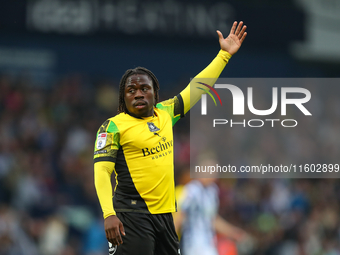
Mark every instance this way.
x=143 y=118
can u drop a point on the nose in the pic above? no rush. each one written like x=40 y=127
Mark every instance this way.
x=139 y=94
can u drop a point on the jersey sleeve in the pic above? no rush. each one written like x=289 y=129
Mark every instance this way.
x=102 y=181
x=209 y=75
x=105 y=155
x=107 y=142
x=174 y=107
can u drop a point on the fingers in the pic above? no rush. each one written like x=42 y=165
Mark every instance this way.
x=121 y=228
x=232 y=30
x=241 y=33
x=113 y=228
x=119 y=239
x=111 y=237
x=114 y=237
x=238 y=27
x=240 y=30
x=243 y=37
x=220 y=35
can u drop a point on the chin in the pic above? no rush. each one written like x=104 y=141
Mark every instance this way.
x=140 y=113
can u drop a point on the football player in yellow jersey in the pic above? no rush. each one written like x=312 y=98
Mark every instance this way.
x=137 y=144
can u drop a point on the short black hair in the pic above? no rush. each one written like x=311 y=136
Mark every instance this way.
x=130 y=72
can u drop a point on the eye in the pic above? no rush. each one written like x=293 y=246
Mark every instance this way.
x=131 y=90
x=145 y=89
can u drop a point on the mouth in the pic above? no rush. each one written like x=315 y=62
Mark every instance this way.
x=140 y=104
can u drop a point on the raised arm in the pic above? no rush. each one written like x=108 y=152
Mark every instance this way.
x=229 y=46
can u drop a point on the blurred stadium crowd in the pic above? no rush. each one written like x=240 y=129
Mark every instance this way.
x=48 y=204
x=48 y=122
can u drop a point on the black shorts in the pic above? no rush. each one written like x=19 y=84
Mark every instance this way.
x=148 y=234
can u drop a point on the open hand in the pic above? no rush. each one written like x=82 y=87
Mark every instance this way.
x=235 y=38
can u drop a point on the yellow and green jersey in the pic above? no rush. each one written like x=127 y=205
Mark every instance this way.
x=140 y=152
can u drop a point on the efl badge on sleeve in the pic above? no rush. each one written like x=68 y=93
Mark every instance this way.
x=101 y=141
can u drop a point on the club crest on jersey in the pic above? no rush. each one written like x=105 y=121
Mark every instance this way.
x=112 y=249
x=101 y=141
x=152 y=127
